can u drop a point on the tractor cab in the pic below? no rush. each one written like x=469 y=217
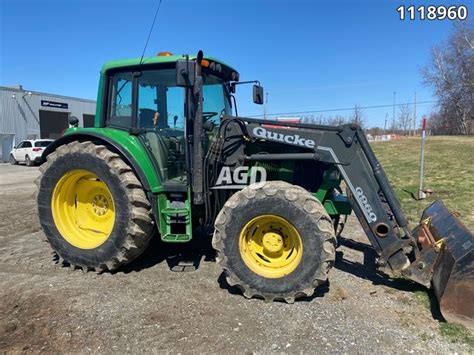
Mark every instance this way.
x=149 y=101
x=172 y=107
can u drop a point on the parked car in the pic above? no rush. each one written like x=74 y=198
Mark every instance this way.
x=29 y=151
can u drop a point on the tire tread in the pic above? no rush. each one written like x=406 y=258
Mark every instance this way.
x=140 y=225
x=293 y=194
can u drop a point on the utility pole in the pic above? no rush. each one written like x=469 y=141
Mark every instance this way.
x=414 y=117
x=265 y=106
x=385 y=124
x=421 y=193
x=393 y=114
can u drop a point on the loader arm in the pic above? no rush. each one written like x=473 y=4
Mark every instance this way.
x=371 y=195
x=438 y=253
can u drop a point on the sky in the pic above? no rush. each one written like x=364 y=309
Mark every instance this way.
x=308 y=55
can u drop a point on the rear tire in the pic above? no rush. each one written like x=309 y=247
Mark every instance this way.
x=128 y=208
x=277 y=207
x=13 y=160
x=28 y=161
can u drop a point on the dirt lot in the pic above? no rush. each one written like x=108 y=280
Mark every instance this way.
x=147 y=307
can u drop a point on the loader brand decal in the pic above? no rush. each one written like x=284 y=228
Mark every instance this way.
x=362 y=205
x=295 y=139
x=368 y=208
x=240 y=177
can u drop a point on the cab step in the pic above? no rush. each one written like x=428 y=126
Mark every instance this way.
x=175 y=219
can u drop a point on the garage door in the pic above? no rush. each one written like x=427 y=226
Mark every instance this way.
x=53 y=124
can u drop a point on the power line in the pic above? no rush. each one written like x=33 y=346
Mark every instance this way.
x=344 y=109
x=151 y=30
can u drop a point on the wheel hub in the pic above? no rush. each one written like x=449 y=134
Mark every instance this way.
x=270 y=246
x=273 y=242
x=100 y=204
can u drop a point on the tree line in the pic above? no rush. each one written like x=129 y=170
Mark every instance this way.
x=404 y=122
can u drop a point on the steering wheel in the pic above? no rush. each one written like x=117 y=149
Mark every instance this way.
x=208 y=115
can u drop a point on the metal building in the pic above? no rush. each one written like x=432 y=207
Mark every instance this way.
x=33 y=115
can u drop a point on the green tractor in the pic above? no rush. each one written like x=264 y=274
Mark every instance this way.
x=169 y=154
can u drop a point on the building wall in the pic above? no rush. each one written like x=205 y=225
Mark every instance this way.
x=19 y=114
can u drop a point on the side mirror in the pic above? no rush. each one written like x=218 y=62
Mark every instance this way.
x=185 y=73
x=258 y=94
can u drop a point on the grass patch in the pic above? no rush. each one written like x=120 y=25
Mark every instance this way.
x=448 y=171
x=456 y=333
x=423 y=298
x=425 y=337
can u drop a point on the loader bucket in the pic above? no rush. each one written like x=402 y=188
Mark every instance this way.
x=453 y=268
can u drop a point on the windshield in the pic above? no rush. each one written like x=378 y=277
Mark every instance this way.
x=215 y=99
x=161 y=103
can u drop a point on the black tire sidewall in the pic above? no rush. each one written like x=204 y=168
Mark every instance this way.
x=12 y=160
x=106 y=251
x=304 y=223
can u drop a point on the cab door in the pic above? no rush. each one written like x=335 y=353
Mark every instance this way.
x=161 y=116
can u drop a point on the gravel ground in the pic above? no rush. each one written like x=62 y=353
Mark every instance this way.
x=147 y=307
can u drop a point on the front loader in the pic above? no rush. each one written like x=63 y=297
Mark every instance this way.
x=170 y=154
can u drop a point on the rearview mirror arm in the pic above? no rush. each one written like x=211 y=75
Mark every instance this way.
x=232 y=84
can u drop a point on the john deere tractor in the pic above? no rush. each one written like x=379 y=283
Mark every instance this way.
x=170 y=156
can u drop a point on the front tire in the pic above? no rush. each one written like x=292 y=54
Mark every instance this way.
x=92 y=207
x=13 y=160
x=274 y=241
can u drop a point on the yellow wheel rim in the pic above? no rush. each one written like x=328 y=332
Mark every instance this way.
x=270 y=246
x=83 y=209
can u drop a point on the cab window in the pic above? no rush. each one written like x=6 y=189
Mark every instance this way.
x=160 y=101
x=120 y=100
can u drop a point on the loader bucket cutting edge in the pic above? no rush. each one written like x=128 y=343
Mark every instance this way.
x=453 y=270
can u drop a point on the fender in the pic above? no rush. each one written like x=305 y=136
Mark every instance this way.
x=106 y=140
x=149 y=179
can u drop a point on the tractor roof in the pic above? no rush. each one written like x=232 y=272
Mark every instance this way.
x=114 y=64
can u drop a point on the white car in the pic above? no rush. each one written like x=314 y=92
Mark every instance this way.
x=29 y=151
